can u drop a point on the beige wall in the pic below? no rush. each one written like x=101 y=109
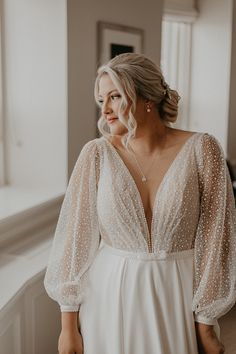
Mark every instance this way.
x=82 y=18
x=232 y=104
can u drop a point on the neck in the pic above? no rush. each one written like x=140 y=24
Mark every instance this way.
x=150 y=137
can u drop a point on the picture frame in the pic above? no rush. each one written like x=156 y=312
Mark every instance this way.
x=114 y=39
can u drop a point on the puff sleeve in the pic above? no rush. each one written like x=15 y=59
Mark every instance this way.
x=76 y=237
x=215 y=241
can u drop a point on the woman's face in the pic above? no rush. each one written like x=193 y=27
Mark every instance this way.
x=110 y=100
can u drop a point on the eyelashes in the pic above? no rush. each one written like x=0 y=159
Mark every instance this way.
x=113 y=98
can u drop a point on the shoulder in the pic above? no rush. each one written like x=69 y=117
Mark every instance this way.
x=178 y=137
x=185 y=139
x=91 y=144
x=209 y=153
x=203 y=139
x=87 y=159
x=90 y=147
x=207 y=148
x=210 y=145
x=89 y=153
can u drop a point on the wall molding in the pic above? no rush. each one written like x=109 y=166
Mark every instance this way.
x=178 y=15
x=31 y=221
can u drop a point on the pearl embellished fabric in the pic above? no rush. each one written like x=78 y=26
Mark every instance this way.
x=194 y=211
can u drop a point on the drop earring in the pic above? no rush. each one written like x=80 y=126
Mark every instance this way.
x=148 y=108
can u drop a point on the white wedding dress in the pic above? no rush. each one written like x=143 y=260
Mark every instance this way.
x=141 y=291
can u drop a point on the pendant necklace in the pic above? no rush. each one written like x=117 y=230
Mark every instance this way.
x=143 y=177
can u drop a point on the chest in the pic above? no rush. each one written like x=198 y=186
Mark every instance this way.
x=166 y=198
x=154 y=169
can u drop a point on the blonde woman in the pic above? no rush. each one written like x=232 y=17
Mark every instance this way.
x=144 y=254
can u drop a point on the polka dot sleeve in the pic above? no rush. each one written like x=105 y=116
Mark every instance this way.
x=215 y=242
x=77 y=237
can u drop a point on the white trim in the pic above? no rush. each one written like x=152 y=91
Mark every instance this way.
x=22 y=272
x=25 y=244
x=180 y=11
x=180 y=15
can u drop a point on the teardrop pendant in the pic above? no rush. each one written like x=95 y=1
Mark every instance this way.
x=144 y=179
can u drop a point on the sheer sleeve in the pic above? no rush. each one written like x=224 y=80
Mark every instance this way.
x=215 y=242
x=76 y=237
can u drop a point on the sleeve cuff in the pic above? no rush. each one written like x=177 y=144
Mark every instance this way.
x=67 y=308
x=208 y=321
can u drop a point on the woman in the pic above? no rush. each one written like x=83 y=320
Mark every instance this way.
x=143 y=257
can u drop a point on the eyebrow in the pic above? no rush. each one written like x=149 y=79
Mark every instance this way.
x=109 y=92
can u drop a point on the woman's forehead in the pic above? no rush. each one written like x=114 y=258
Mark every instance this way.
x=106 y=85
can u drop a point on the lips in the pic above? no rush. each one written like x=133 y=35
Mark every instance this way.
x=111 y=119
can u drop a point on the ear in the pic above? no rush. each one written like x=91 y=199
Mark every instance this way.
x=146 y=101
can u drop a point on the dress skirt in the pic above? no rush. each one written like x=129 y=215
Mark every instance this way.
x=139 y=303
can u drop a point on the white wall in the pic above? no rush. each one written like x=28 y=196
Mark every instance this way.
x=35 y=82
x=211 y=68
x=82 y=58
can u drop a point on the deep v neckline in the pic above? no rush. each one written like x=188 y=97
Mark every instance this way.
x=131 y=178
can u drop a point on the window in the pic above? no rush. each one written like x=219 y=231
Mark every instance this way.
x=176 y=56
x=175 y=63
x=33 y=105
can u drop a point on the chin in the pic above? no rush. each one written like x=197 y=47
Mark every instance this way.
x=121 y=130
x=118 y=133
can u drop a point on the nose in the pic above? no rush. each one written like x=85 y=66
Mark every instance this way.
x=106 y=108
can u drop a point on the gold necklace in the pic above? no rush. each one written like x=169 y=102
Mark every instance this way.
x=143 y=177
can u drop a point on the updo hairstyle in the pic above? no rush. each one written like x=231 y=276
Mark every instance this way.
x=135 y=75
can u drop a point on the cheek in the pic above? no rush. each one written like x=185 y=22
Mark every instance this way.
x=126 y=111
x=116 y=106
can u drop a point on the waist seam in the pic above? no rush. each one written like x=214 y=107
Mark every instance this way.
x=160 y=255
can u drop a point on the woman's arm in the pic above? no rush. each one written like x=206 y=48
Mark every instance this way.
x=215 y=246
x=215 y=241
x=70 y=339
x=207 y=340
x=69 y=320
x=74 y=247
x=77 y=235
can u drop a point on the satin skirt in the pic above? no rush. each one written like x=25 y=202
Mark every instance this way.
x=139 y=303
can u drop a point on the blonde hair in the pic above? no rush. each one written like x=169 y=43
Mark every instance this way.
x=135 y=75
